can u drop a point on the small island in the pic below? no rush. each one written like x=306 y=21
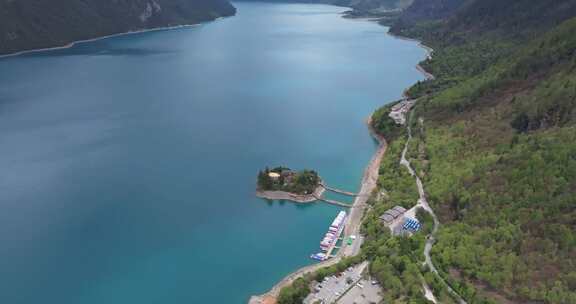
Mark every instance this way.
x=282 y=183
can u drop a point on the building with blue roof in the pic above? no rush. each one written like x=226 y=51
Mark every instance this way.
x=411 y=225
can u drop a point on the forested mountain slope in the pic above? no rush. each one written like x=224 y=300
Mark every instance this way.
x=360 y=7
x=374 y=5
x=32 y=24
x=428 y=11
x=495 y=145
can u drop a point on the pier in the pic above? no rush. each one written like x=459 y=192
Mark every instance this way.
x=330 y=252
x=338 y=190
x=334 y=202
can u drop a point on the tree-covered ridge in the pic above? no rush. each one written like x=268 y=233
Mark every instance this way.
x=497 y=149
x=427 y=11
x=519 y=19
x=284 y=179
x=33 y=24
x=478 y=34
x=508 y=211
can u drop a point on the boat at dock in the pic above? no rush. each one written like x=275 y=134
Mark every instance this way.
x=331 y=237
x=319 y=256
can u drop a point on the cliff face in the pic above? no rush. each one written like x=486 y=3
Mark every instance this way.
x=33 y=24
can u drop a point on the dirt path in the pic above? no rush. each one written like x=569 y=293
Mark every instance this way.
x=423 y=202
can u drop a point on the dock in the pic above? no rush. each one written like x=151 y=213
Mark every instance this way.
x=329 y=253
x=339 y=191
x=335 y=247
x=334 y=202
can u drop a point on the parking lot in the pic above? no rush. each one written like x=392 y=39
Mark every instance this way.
x=344 y=288
x=364 y=292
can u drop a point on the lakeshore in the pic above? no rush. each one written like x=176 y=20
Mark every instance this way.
x=104 y=37
x=354 y=221
x=287 y=196
x=429 y=50
x=77 y=42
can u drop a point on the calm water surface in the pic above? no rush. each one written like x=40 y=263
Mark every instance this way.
x=129 y=164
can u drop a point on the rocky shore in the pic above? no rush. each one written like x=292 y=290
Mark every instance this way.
x=287 y=196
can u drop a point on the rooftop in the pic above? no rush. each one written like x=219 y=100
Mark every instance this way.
x=400 y=209
x=387 y=218
x=391 y=214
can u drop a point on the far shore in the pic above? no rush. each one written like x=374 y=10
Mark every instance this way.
x=73 y=43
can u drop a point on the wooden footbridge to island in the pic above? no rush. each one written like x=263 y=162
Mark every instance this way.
x=335 y=202
x=348 y=193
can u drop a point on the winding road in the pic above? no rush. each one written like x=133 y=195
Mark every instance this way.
x=423 y=202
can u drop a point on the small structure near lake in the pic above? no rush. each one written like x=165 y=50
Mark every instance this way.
x=399 y=111
x=274 y=176
x=401 y=221
x=412 y=225
x=392 y=214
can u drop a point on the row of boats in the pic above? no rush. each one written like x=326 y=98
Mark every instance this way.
x=331 y=237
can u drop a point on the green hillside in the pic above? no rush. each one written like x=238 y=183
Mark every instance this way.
x=497 y=147
x=494 y=142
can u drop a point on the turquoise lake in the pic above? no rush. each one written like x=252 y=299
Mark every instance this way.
x=129 y=163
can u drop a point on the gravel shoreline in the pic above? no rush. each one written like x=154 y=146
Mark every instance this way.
x=287 y=196
x=428 y=49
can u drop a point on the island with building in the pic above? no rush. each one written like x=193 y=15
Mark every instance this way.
x=283 y=183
